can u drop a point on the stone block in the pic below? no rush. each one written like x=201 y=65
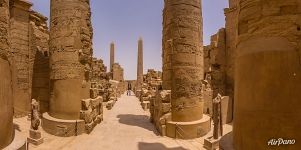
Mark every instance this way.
x=166 y=107
x=211 y=144
x=93 y=93
x=86 y=104
x=145 y=105
x=35 y=137
x=226 y=110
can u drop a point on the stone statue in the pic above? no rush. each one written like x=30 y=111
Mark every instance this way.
x=217 y=119
x=35 y=118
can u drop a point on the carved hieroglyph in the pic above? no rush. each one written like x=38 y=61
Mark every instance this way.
x=182 y=58
x=267 y=74
x=6 y=99
x=70 y=56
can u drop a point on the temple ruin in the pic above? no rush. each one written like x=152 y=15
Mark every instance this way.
x=241 y=91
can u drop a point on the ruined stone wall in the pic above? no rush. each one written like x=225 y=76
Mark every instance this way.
x=160 y=110
x=6 y=97
x=19 y=29
x=231 y=40
x=39 y=59
x=267 y=74
x=215 y=63
x=118 y=73
x=70 y=57
x=98 y=70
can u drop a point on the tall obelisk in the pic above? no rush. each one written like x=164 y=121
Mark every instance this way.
x=182 y=43
x=112 y=55
x=139 y=67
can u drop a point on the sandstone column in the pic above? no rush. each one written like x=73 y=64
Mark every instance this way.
x=6 y=97
x=22 y=77
x=183 y=60
x=268 y=74
x=140 y=65
x=112 y=55
x=70 y=60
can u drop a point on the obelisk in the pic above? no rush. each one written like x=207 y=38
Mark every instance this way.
x=6 y=95
x=139 y=67
x=182 y=51
x=112 y=55
x=268 y=75
x=70 y=62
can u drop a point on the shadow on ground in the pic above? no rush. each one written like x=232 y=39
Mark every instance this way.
x=156 y=146
x=17 y=127
x=137 y=120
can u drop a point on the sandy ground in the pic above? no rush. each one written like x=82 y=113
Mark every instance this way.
x=125 y=127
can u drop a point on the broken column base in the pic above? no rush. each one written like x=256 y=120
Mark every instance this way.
x=188 y=130
x=211 y=144
x=145 y=105
x=62 y=128
x=35 y=137
x=19 y=142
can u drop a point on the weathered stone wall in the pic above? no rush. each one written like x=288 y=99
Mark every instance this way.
x=231 y=38
x=215 y=63
x=70 y=57
x=160 y=110
x=19 y=29
x=6 y=97
x=267 y=74
x=98 y=70
x=39 y=59
x=118 y=73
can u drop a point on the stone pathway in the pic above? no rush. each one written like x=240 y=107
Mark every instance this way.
x=125 y=127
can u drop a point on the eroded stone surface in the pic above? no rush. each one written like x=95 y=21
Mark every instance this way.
x=267 y=74
x=70 y=57
x=6 y=97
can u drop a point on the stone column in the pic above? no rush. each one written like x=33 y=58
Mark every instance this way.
x=70 y=62
x=268 y=74
x=112 y=55
x=6 y=97
x=183 y=54
x=140 y=64
x=20 y=46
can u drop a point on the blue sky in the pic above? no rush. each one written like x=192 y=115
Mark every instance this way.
x=124 y=21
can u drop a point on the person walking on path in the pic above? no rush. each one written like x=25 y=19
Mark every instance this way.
x=129 y=89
